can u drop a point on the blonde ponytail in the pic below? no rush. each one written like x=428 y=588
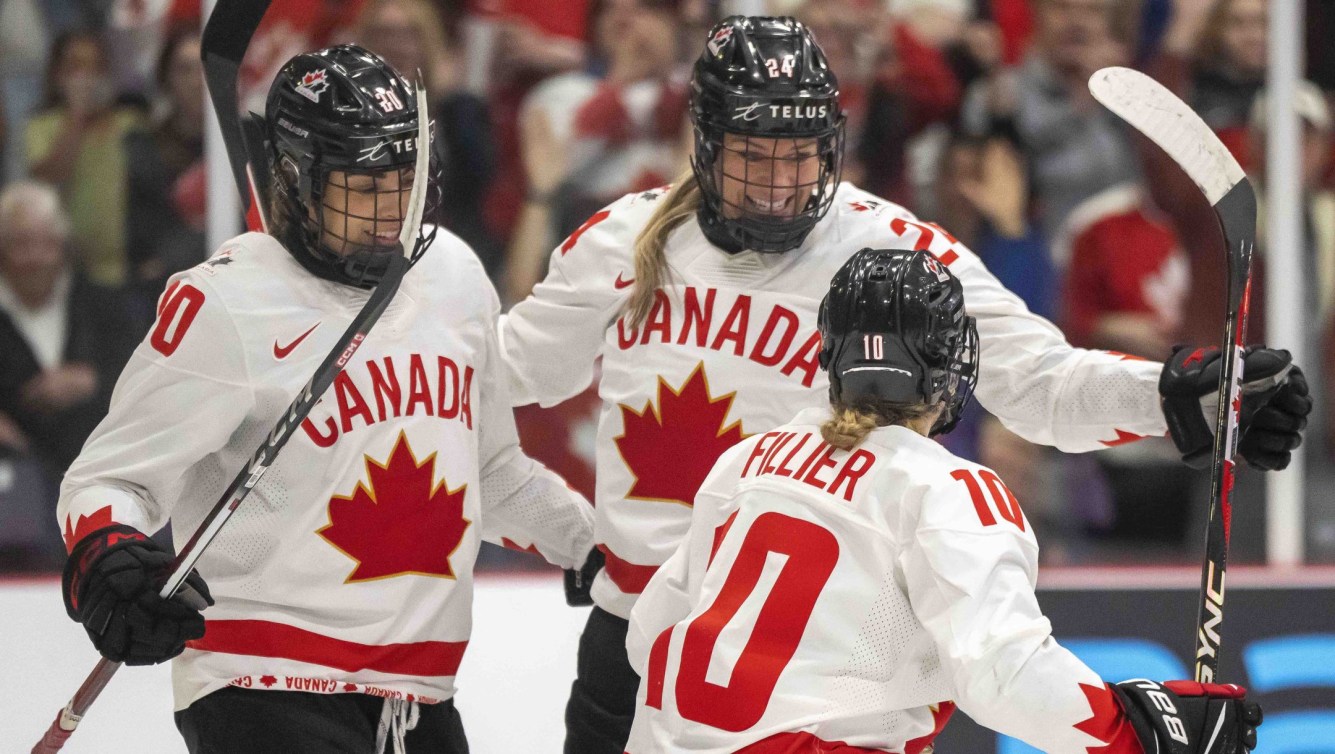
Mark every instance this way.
x=852 y=423
x=651 y=267
x=848 y=428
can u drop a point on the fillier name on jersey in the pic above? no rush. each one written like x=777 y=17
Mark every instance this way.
x=730 y=349
x=349 y=567
x=827 y=598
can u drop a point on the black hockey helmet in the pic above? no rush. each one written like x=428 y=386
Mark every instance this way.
x=893 y=330
x=765 y=78
x=343 y=109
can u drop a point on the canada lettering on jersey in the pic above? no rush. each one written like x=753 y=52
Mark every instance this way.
x=804 y=456
x=391 y=387
x=704 y=318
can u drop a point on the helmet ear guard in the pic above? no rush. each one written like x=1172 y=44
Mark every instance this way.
x=894 y=331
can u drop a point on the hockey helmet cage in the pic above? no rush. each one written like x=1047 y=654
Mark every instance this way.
x=342 y=109
x=765 y=78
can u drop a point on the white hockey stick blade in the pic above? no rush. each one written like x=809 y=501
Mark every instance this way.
x=1167 y=121
x=412 y=224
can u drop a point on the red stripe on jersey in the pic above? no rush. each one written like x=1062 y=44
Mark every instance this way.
x=262 y=638
x=629 y=577
x=803 y=743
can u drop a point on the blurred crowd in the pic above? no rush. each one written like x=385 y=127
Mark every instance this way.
x=974 y=114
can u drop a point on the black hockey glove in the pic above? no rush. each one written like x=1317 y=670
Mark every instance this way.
x=1186 y=717
x=1275 y=405
x=111 y=585
x=579 y=583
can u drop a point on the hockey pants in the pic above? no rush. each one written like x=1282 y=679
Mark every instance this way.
x=602 y=698
x=247 y=721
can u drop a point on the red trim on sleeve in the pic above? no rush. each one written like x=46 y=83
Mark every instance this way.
x=1108 y=723
x=75 y=531
x=1123 y=437
x=629 y=577
x=261 y=638
x=510 y=544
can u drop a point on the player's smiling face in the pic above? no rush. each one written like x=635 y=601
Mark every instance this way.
x=767 y=178
x=364 y=211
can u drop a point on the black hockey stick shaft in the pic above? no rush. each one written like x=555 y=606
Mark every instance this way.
x=1236 y=212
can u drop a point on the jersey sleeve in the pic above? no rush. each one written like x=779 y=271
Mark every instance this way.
x=525 y=505
x=970 y=574
x=1033 y=380
x=183 y=392
x=551 y=338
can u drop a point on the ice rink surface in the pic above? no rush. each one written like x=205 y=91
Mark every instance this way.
x=512 y=685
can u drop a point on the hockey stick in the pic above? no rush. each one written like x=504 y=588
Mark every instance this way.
x=1168 y=122
x=223 y=46
x=250 y=474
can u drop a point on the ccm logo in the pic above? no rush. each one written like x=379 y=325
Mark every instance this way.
x=351 y=349
x=1164 y=703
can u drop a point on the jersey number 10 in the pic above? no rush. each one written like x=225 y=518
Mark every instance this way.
x=811 y=553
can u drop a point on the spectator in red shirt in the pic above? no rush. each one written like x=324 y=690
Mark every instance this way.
x=1126 y=285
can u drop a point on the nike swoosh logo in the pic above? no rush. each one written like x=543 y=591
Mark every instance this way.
x=620 y=283
x=281 y=352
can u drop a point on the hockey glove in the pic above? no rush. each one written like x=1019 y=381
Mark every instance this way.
x=1274 y=412
x=1186 y=717
x=111 y=585
x=579 y=583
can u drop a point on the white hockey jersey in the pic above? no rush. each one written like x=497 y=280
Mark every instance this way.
x=349 y=567
x=829 y=600
x=730 y=349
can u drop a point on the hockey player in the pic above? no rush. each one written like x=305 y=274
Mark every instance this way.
x=701 y=301
x=846 y=581
x=342 y=587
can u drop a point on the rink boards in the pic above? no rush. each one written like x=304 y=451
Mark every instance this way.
x=1279 y=640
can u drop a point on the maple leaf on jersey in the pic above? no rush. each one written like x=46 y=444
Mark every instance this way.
x=671 y=449
x=1107 y=724
x=401 y=522
x=86 y=525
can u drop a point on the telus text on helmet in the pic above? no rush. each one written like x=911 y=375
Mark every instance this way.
x=755 y=110
x=377 y=150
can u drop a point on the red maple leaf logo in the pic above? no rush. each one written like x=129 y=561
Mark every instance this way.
x=402 y=522
x=1107 y=724
x=86 y=525
x=268 y=680
x=670 y=450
